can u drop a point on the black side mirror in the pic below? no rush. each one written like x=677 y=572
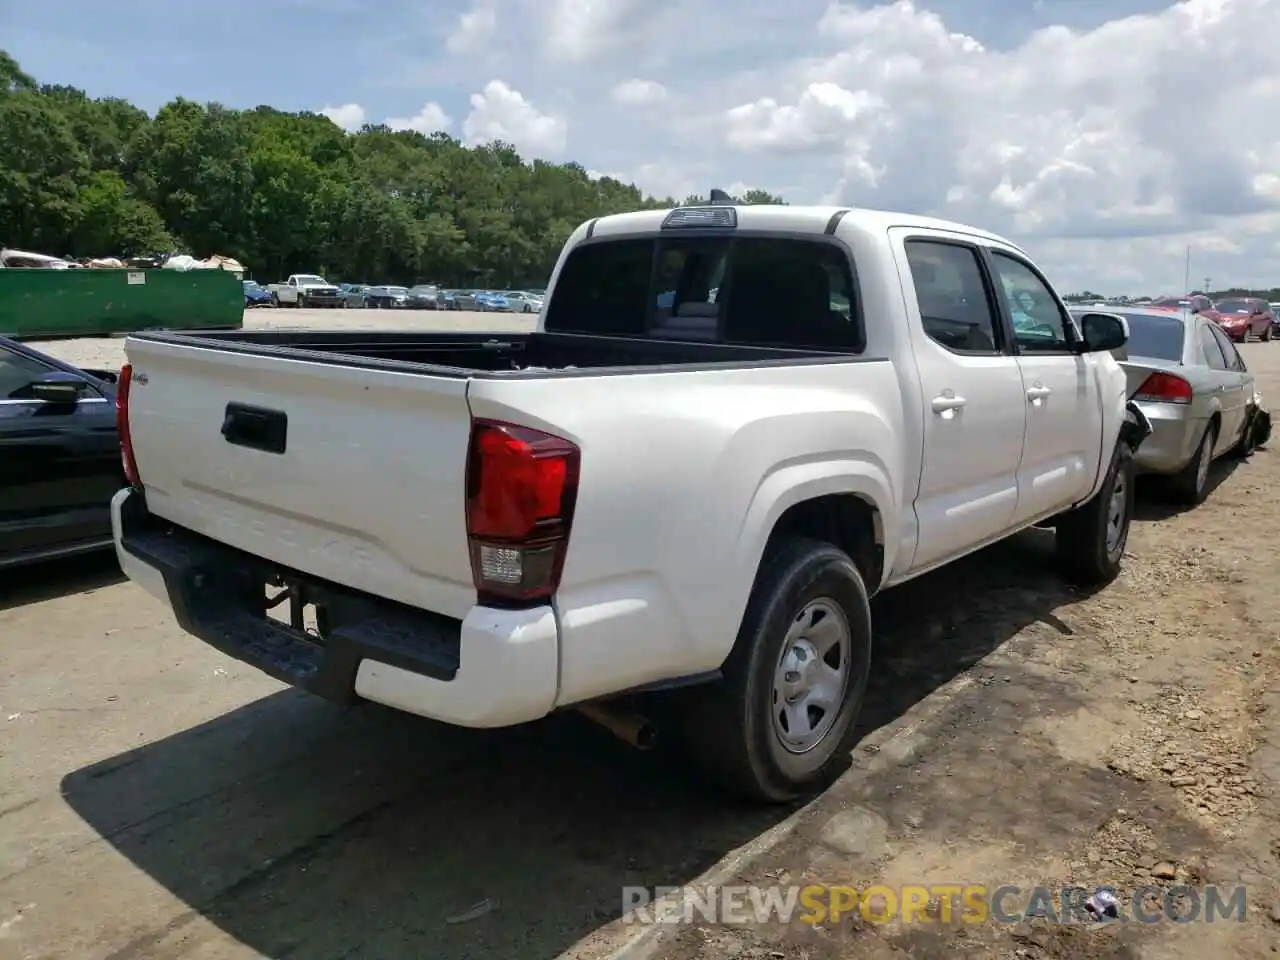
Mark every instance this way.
x=1103 y=332
x=58 y=388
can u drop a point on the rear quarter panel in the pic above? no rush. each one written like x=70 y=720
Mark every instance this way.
x=683 y=476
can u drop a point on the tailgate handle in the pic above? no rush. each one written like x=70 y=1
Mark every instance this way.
x=255 y=427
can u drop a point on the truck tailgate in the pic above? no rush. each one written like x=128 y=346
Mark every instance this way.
x=365 y=488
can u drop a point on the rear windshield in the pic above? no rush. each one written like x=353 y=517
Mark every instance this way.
x=1157 y=337
x=754 y=291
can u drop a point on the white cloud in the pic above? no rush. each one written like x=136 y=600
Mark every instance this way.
x=580 y=31
x=1105 y=147
x=430 y=119
x=349 y=116
x=1146 y=125
x=635 y=92
x=501 y=113
x=474 y=28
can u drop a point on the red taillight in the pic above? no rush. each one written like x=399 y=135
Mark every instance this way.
x=521 y=488
x=122 y=425
x=1164 y=388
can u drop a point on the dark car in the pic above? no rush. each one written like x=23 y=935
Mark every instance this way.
x=59 y=456
x=256 y=295
x=424 y=296
x=386 y=298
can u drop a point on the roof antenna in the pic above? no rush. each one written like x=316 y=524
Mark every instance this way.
x=719 y=196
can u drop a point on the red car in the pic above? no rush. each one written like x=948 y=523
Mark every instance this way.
x=1241 y=316
x=1195 y=303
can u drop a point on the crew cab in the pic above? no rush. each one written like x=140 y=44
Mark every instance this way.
x=691 y=501
x=307 y=290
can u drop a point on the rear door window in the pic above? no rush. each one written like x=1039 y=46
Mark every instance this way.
x=1229 y=352
x=955 y=309
x=1213 y=354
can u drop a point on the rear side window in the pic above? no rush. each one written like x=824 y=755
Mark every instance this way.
x=1229 y=352
x=1213 y=354
x=954 y=307
x=749 y=291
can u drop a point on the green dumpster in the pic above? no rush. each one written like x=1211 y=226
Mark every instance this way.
x=37 y=303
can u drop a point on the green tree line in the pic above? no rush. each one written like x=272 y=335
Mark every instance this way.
x=284 y=192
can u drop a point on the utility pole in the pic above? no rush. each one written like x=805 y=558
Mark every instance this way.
x=1206 y=285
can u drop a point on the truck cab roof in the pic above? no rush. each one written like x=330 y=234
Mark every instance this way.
x=817 y=220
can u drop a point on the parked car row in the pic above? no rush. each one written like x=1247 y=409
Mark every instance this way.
x=310 y=290
x=514 y=537
x=1241 y=318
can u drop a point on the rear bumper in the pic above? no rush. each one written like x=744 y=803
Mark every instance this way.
x=494 y=668
x=1173 y=439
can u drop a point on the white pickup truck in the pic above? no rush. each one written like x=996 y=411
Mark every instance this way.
x=307 y=290
x=661 y=487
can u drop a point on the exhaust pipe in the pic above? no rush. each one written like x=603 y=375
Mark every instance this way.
x=627 y=726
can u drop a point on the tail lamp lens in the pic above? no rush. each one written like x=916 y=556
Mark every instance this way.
x=522 y=486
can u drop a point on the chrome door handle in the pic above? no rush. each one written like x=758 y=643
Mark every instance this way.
x=1038 y=393
x=944 y=403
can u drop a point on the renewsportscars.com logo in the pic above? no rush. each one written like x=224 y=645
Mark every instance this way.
x=932 y=903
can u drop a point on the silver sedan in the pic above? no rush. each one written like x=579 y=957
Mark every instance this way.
x=1194 y=387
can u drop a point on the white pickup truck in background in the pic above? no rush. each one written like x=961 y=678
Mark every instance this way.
x=307 y=290
x=732 y=426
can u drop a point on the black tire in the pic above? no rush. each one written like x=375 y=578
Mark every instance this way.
x=729 y=728
x=1268 y=333
x=300 y=303
x=1248 y=441
x=1086 y=552
x=1190 y=485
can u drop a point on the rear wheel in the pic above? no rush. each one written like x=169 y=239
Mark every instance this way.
x=781 y=721
x=1190 y=485
x=1249 y=438
x=1091 y=539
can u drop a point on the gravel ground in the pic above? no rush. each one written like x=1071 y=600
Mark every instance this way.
x=160 y=800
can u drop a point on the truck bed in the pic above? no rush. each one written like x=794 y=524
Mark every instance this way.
x=496 y=354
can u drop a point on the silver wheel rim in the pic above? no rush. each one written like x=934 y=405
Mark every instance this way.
x=1206 y=457
x=1117 y=509
x=811 y=676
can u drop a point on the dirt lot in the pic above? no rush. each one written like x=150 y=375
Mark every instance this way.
x=160 y=801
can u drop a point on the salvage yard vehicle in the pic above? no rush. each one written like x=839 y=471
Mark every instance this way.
x=386 y=298
x=59 y=456
x=424 y=296
x=1189 y=380
x=256 y=295
x=354 y=294
x=1243 y=317
x=693 y=501
x=307 y=290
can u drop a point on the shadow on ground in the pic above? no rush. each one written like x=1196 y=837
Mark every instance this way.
x=1154 y=503
x=304 y=830
x=58 y=578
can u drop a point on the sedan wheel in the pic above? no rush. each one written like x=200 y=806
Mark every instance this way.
x=1190 y=485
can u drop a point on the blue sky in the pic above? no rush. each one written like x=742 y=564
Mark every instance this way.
x=1103 y=133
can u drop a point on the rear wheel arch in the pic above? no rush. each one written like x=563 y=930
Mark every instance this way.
x=849 y=521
